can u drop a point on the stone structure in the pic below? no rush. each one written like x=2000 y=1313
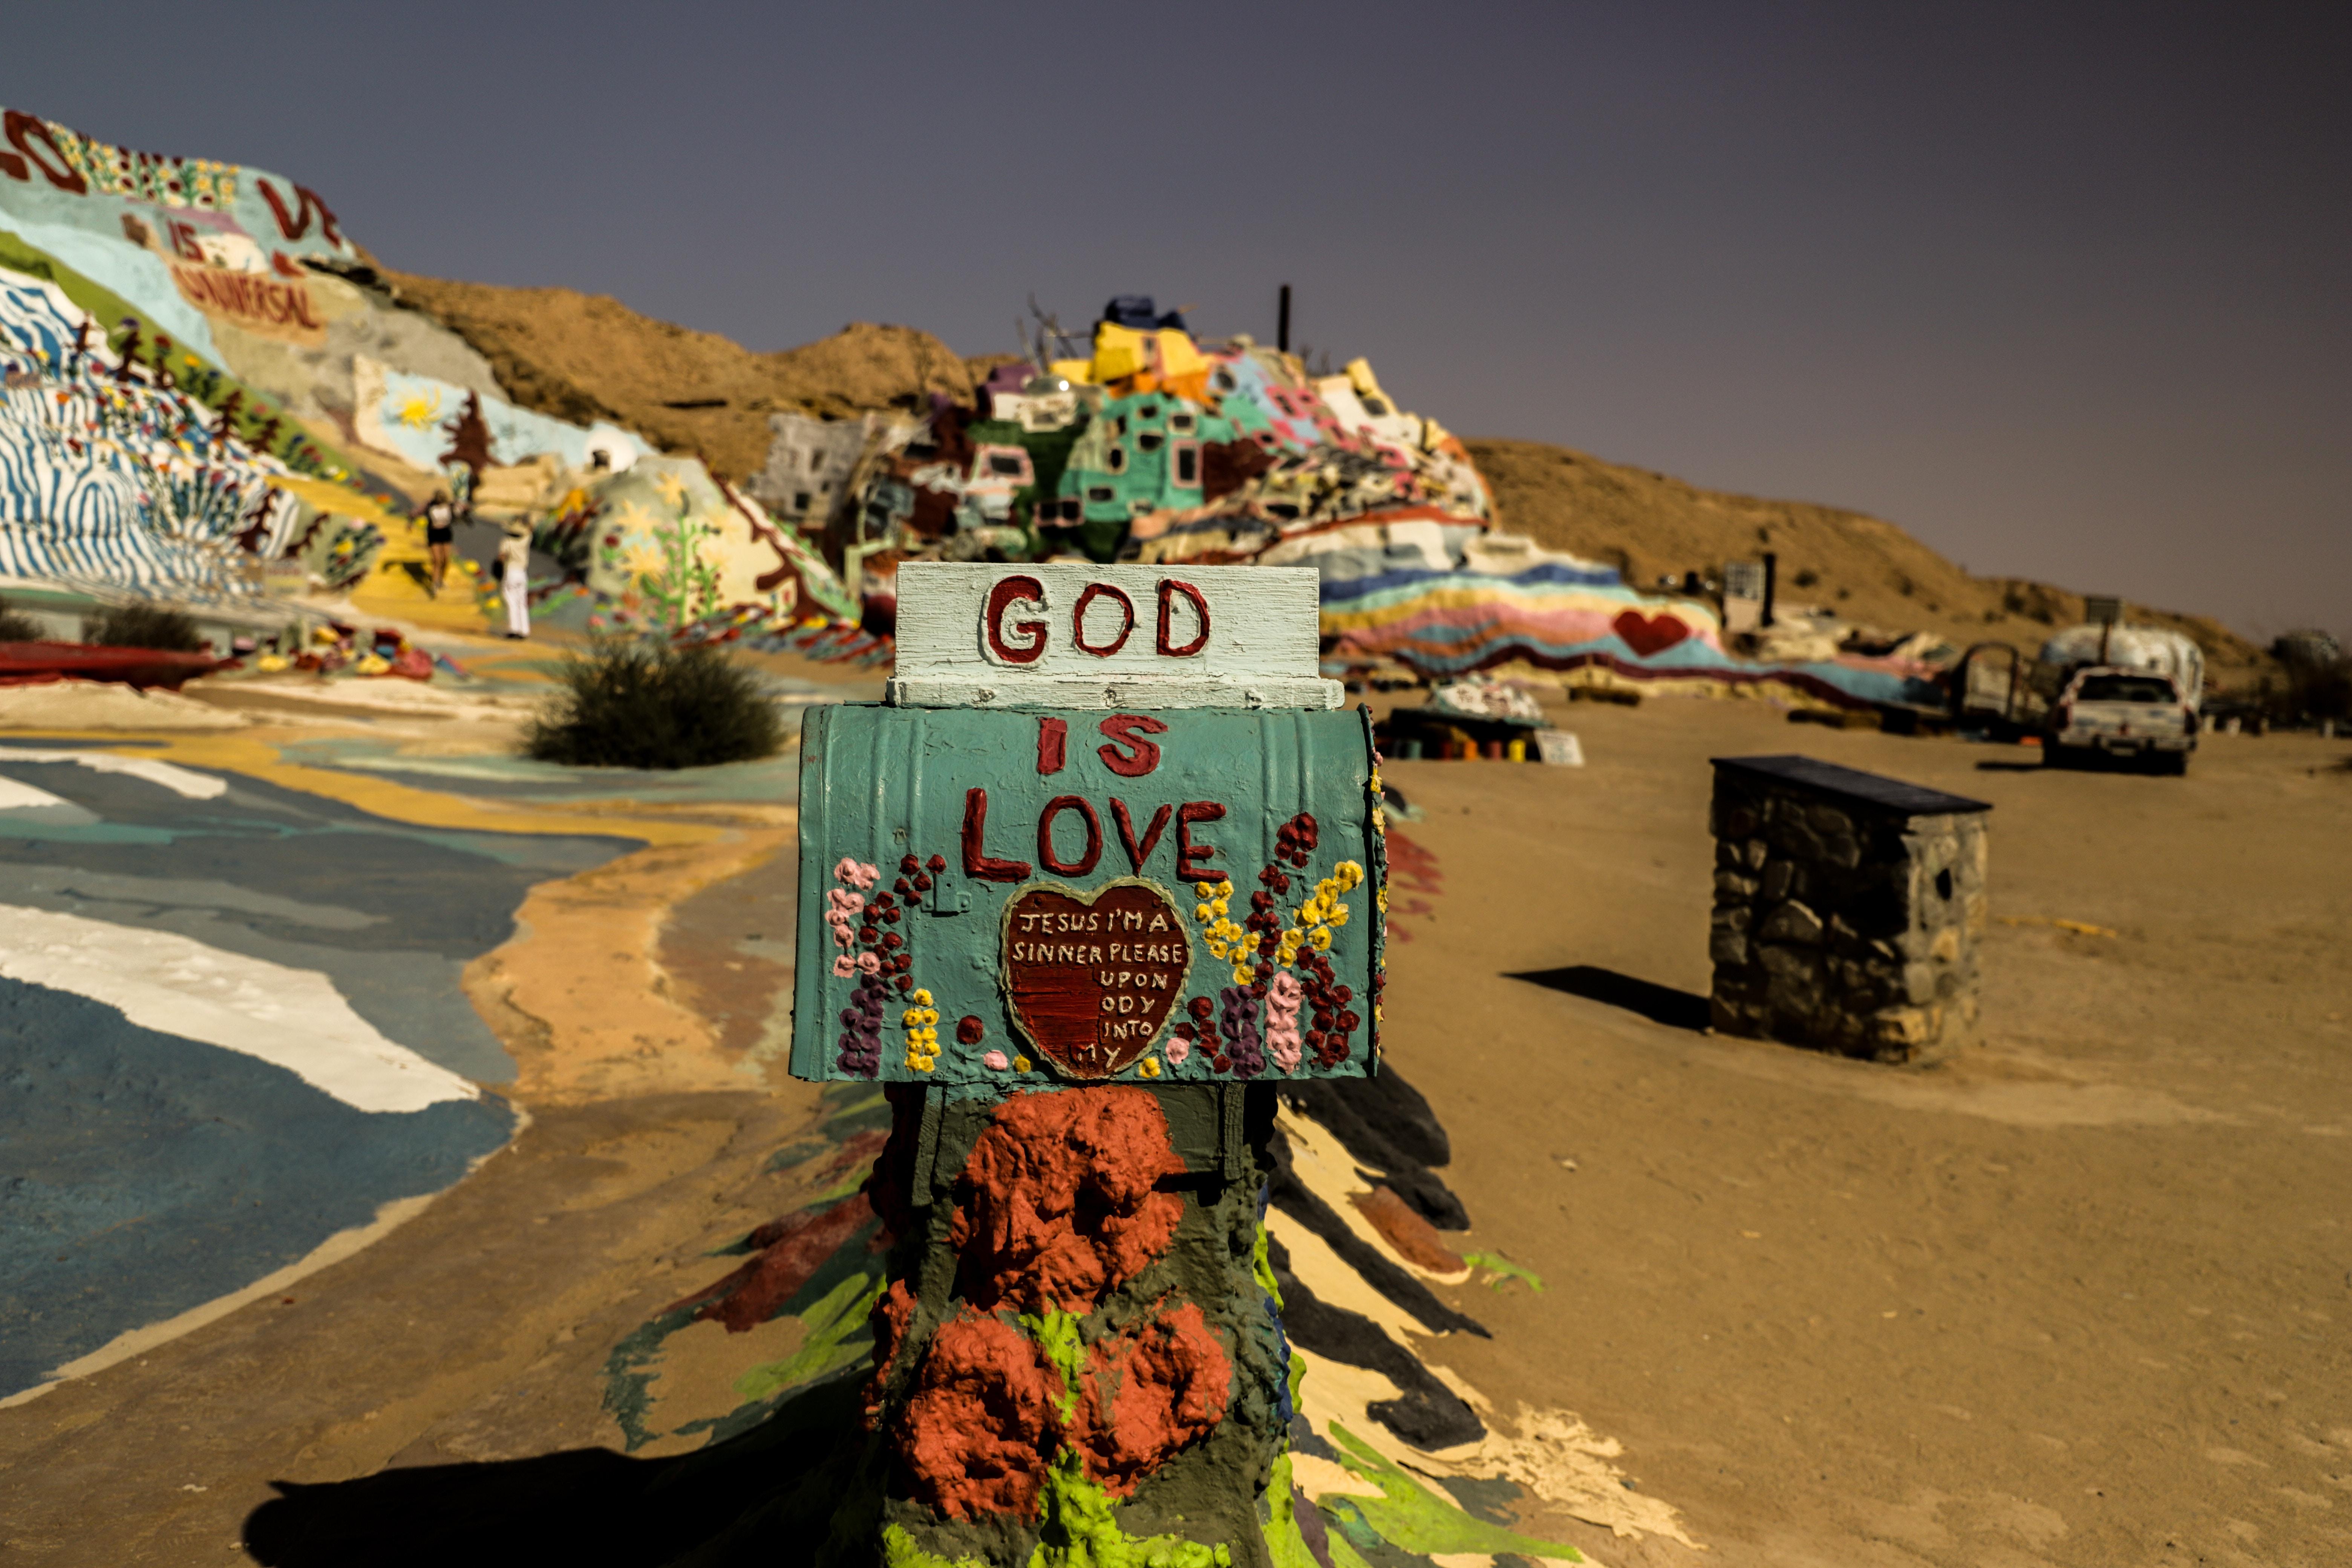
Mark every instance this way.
x=1847 y=908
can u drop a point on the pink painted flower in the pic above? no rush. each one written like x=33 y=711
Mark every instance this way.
x=870 y=963
x=1177 y=1051
x=1283 y=995
x=842 y=967
x=996 y=1060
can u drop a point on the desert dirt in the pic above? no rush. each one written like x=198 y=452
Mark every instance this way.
x=2078 y=1296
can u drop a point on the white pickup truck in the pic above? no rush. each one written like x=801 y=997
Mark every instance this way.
x=2132 y=714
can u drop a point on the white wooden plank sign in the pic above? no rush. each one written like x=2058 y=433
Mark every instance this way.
x=974 y=635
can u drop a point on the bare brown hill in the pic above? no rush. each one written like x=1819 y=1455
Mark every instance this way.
x=1651 y=526
x=587 y=356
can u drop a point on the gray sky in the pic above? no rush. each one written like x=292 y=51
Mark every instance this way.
x=2061 y=289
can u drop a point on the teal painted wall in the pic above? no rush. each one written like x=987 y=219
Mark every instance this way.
x=881 y=784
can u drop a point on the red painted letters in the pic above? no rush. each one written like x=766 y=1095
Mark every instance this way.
x=1078 y=620
x=1008 y=591
x=1137 y=854
x=1045 y=853
x=977 y=861
x=1129 y=729
x=22 y=130
x=1169 y=588
x=1052 y=737
x=1187 y=852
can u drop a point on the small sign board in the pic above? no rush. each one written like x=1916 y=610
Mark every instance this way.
x=1123 y=863
x=1560 y=748
x=2103 y=612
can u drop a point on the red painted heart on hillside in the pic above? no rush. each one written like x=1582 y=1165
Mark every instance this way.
x=1647 y=635
x=1091 y=978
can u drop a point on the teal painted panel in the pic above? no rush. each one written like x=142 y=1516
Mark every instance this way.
x=1087 y=957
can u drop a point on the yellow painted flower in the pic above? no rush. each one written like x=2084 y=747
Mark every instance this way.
x=1321 y=939
x=1149 y=1066
x=1348 y=873
x=1242 y=975
x=1020 y=1063
x=1225 y=888
x=1382 y=901
x=1218 y=950
x=921 y=998
x=1204 y=914
x=1219 y=905
x=1206 y=889
x=1338 y=917
x=673 y=490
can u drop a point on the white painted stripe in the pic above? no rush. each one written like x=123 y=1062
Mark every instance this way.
x=15 y=796
x=185 y=783
x=293 y=1018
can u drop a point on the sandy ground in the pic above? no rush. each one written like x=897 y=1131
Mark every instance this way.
x=2076 y=1297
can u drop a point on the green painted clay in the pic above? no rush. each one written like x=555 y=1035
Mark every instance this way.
x=1283 y=1541
x=899 y=1549
x=1263 y=1265
x=1080 y=1531
x=1409 y=1516
x=1056 y=1333
x=1503 y=1268
x=842 y=1312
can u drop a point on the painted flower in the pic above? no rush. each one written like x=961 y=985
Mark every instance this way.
x=1207 y=890
x=1226 y=887
x=1338 y=917
x=1321 y=939
x=844 y=967
x=997 y=1061
x=1177 y=1051
x=1148 y=1068
x=870 y=963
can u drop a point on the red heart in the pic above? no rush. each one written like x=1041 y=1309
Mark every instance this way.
x=1647 y=635
x=1092 y=977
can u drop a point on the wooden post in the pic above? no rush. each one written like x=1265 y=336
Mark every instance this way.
x=1104 y=866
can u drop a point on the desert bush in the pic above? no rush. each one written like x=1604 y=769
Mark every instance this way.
x=637 y=705
x=14 y=627
x=144 y=625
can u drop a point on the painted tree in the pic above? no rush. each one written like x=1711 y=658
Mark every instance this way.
x=469 y=439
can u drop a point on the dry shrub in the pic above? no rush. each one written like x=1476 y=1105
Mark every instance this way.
x=634 y=705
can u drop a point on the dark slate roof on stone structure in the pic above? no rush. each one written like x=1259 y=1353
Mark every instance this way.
x=1852 y=784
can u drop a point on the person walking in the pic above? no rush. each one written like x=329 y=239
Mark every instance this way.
x=440 y=535
x=514 y=577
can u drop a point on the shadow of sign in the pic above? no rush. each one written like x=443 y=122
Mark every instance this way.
x=587 y=1505
x=1659 y=1003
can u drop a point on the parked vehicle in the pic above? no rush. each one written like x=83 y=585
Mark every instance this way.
x=2132 y=715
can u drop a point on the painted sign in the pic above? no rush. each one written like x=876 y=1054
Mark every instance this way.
x=1057 y=894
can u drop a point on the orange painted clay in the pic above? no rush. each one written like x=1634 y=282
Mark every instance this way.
x=890 y=1317
x=1403 y=1227
x=1147 y=1393
x=976 y=1437
x=1060 y=1204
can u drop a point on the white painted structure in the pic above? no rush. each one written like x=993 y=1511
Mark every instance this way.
x=293 y=1018
x=975 y=635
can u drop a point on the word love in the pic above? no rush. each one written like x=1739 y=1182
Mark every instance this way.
x=1192 y=856
x=1014 y=628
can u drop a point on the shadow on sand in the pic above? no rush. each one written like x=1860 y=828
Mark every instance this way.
x=1659 y=1003
x=738 y=1501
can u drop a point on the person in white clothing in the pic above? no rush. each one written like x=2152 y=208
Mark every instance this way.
x=514 y=580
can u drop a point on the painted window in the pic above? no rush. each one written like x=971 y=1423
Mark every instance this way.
x=1184 y=421
x=1099 y=494
x=1184 y=463
x=1117 y=462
